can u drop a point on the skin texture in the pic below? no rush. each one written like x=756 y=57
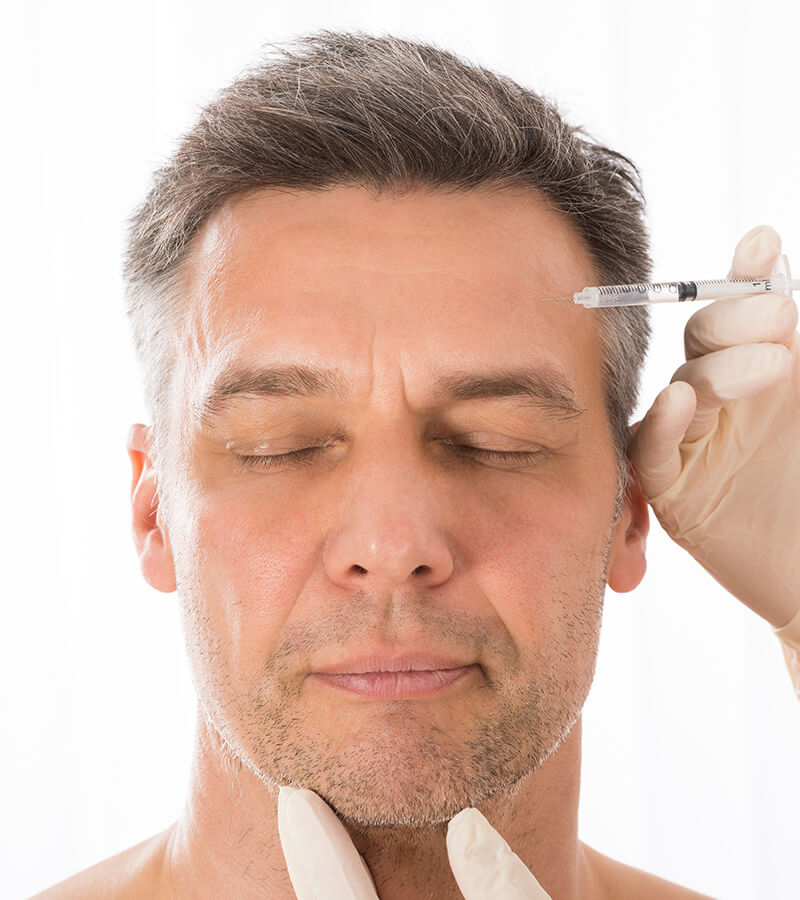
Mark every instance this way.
x=390 y=537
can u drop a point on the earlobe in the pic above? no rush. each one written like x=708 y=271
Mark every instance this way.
x=628 y=560
x=149 y=534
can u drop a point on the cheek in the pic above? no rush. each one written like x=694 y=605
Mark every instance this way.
x=244 y=566
x=539 y=556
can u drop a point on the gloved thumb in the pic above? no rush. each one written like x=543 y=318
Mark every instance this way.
x=485 y=867
x=654 y=446
x=322 y=861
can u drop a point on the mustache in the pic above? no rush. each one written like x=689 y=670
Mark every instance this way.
x=343 y=627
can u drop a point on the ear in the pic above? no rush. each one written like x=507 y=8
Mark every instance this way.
x=149 y=533
x=627 y=560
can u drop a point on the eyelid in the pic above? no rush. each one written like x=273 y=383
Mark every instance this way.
x=471 y=454
x=481 y=439
x=298 y=441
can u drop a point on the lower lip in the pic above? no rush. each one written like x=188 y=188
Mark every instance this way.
x=397 y=685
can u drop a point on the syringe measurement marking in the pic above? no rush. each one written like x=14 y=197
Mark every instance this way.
x=682 y=290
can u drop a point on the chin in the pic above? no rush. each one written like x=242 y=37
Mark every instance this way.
x=370 y=786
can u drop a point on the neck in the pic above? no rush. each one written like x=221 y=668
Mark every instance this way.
x=226 y=841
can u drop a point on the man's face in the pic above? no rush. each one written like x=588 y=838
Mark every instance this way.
x=401 y=530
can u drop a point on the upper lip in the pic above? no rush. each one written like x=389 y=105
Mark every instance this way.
x=409 y=661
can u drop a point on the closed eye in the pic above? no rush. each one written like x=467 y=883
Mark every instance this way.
x=296 y=456
x=514 y=457
x=306 y=455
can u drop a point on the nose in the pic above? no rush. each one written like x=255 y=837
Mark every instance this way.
x=390 y=529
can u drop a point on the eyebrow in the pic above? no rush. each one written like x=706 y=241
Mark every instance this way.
x=541 y=385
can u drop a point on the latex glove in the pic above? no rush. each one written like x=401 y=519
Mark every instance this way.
x=324 y=864
x=718 y=453
x=483 y=863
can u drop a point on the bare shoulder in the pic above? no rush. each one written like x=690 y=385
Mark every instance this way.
x=623 y=882
x=132 y=873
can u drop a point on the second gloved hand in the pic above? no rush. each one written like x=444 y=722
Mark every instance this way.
x=324 y=864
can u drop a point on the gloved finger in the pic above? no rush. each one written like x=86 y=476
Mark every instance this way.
x=756 y=251
x=726 y=375
x=654 y=445
x=485 y=867
x=322 y=861
x=740 y=320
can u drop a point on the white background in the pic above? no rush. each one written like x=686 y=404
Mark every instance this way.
x=691 y=729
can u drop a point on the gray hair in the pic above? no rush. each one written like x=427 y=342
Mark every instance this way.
x=390 y=115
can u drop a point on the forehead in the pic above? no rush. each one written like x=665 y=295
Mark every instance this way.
x=429 y=281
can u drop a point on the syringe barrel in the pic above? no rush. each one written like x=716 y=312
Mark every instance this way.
x=679 y=291
x=615 y=295
x=779 y=281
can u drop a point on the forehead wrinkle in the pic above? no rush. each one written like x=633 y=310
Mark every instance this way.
x=221 y=271
x=542 y=387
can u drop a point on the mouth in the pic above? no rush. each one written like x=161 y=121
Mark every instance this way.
x=391 y=674
x=397 y=685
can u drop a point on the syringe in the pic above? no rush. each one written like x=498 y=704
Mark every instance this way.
x=779 y=282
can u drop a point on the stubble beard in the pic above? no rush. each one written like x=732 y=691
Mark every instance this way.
x=403 y=770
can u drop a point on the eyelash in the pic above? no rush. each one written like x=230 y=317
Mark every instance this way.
x=305 y=456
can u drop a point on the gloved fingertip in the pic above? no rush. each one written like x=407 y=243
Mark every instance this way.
x=670 y=410
x=292 y=847
x=318 y=849
x=632 y=429
x=484 y=865
x=463 y=826
x=756 y=251
x=679 y=392
x=285 y=794
x=471 y=836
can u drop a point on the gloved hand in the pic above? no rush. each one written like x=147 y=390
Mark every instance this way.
x=718 y=453
x=324 y=864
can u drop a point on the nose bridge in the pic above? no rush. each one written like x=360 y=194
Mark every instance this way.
x=388 y=530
